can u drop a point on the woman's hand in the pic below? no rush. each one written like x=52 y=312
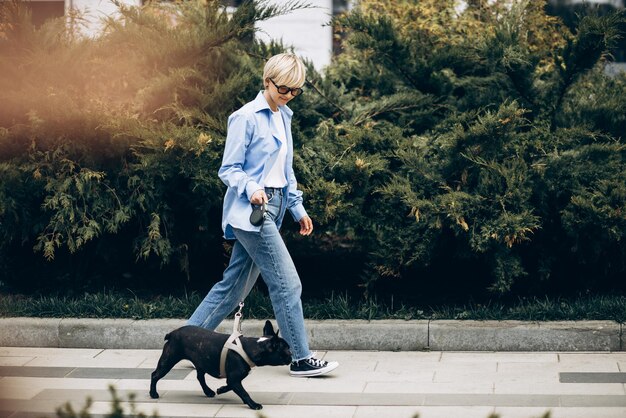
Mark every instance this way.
x=259 y=197
x=306 y=226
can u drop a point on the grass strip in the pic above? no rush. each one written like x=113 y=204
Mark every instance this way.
x=127 y=305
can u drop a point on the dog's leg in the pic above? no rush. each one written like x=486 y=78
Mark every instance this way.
x=207 y=390
x=224 y=389
x=239 y=390
x=166 y=362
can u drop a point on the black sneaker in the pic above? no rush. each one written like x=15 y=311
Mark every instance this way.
x=311 y=367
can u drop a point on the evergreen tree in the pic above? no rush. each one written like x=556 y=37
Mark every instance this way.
x=443 y=148
x=475 y=138
x=110 y=146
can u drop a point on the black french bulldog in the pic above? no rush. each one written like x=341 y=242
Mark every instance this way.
x=203 y=348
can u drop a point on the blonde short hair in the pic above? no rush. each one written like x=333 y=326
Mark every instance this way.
x=286 y=70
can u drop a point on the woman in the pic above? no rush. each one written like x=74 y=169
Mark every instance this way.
x=257 y=168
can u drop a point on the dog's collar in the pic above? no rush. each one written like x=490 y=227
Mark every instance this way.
x=233 y=343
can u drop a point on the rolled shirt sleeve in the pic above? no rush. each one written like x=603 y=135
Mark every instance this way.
x=294 y=199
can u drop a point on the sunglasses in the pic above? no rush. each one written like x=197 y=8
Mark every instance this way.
x=295 y=91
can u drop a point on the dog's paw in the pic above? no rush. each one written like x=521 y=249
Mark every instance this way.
x=209 y=393
x=223 y=389
x=154 y=395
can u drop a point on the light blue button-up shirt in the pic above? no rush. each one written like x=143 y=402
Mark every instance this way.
x=252 y=145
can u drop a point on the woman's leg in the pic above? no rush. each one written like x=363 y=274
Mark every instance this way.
x=237 y=281
x=269 y=253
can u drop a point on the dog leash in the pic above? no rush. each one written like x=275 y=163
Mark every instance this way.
x=234 y=343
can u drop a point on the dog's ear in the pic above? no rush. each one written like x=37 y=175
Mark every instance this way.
x=268 y=329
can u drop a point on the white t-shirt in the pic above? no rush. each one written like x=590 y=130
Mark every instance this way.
x=276 y=176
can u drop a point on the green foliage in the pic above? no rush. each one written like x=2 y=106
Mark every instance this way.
x=113 y=144
x=485 y=149
x=336 y=306
x=481 y=147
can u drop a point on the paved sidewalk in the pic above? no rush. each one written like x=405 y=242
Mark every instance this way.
x=34 y=381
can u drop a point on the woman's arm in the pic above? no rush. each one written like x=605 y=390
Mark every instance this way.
x=238 y=138
x=294 y=199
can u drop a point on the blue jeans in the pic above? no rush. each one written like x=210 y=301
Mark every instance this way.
x=261 y=252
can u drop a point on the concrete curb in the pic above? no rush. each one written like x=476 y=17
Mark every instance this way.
x=383 y=335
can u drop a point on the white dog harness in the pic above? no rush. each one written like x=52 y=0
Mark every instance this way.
x=234 y=343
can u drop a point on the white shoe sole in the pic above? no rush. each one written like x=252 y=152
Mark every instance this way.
x=312 y=373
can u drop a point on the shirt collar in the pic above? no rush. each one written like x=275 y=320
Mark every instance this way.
x=260 y=104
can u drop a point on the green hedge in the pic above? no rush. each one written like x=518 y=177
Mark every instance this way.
x=429 y=160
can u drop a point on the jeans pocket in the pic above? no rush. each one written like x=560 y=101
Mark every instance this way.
x=270 y=196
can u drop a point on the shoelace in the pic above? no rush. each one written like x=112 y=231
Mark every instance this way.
x=317 y=363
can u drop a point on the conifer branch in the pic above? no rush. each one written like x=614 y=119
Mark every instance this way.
x=323 y=96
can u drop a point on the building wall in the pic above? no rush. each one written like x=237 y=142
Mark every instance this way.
x=306 y=30
x=94 y=10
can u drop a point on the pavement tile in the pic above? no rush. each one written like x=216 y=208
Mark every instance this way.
x=464 y=399
x=43 y=361
x=116 y=354
x=291 y=411
x=176 y=396
x=143 y=385
x=448 y=412
x=74 y=394
x=163 y=409
x=36 y=406
x=122 y=373
x=44 y=351
x=587 y=357
x=523 y=412
x=94 y=394
x=14 y=361
x=13 y=392
x=367 y=383
x=56 y=382
x=356 y=366
x=400 y=367
x=320 y=384
x=448 y=376
x=555 y=388
x=11 y=414
x=467 y=367
x=397 y=376
x=197 y=396
x=388 y=411
x=35 y=371
x=391 y=356
x=499 y=357
x=412 y=387
x=547 y=375
x=533 y=368
x=597 y=412
x=423 y=411
x=151 y=363
x=593 y=401
x=592 y=377
x=531 y=380
x=311 y=385
x=330 y=383
x=356 y=399
x=589 y=366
